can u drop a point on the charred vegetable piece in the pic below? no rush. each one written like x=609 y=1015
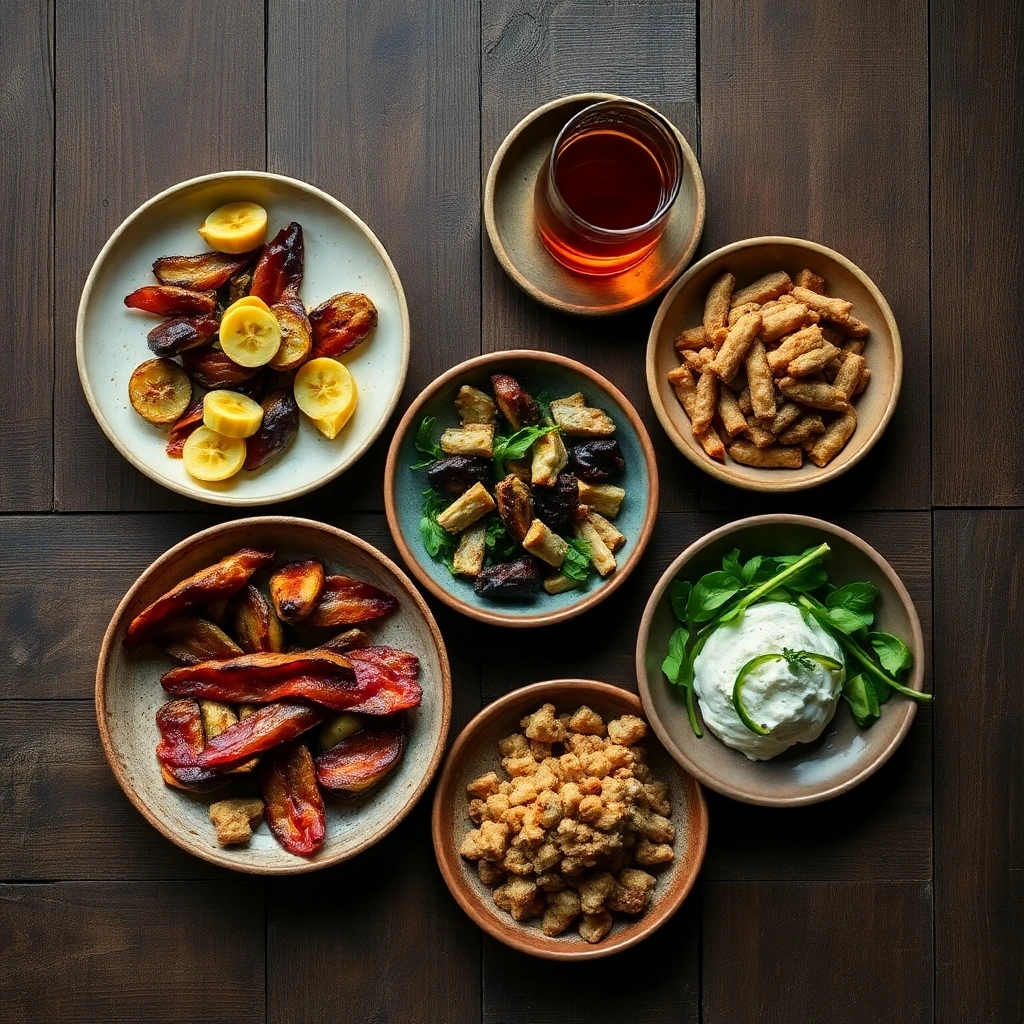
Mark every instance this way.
x=516 y=405
x=278 y=429
x=190 y=419
x=597 y=461
x=515 y=506
x=159 y=391
x=192 y=640
x=318 y=676
x=212 y=369
x=455 y=474
x=350 y=640
x=207 y=586
x=362 y=760
x=294 y=806
x=279 y=268
x=509 y=581
x=396 y=671
x=181 y=333
x=341 y=323
x=268 y=727
x=347 y=602
x=254 y=622
x=557 y=505
x=181 y=743
x=167 y=300
x=295 y=589
x=208 y=270
x=254 y=388
x=296 y=334
x=240 y=283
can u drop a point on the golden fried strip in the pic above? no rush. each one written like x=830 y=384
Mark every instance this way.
x=855 y=345
x=786 y=319
x=759 y=435
x=788 y=413
x=684 y=387
x=809 y=425
x=759 y=380
x=811 y=281
x=771 y=286
x=848 y=376
x=831 y=443
x=849 y=326
x=737 y=311
x=795 y=345
x=734 y=348
x=716 y=306
x=816 y=394
x=705 y=402
x=712 y=443
x=827 y=305
x=775 y=457
x=813 y=361
x=691 y=338
x=865 y=379
x=697 y=361
x=743 y=398
x=729 y=410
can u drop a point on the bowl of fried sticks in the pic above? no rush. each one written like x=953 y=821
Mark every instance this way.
x=774 y=364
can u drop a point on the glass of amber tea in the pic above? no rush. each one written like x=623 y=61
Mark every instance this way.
x=604 y=194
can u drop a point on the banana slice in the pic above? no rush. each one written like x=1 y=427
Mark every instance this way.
x=248 y=300
x=212 y=456
x=249 y=336
x=232 y=414
x=326 y=392
x=236 y=227
x=159 y=390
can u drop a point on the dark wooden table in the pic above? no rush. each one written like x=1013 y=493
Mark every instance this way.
x=888 y=129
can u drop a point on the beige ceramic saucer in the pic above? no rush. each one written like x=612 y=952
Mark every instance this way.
x=508 y=214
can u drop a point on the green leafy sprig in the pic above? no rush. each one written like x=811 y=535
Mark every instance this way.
x=515 y=446
x=425 y=444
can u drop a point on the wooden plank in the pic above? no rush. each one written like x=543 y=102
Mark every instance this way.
x=814 y=123
x=378 y=104
x=130 y=951
x=977 y=145
x=535 y=51
x=979 y=764
x=854 y=953
x=652 y=983
x=147 y=95
x=26 y=288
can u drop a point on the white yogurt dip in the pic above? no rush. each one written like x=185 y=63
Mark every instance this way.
x=795 y=702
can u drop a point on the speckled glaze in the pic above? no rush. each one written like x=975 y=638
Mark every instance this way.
x=537 y=372
x=845 y=754
x=128 y=694
x=475 y=752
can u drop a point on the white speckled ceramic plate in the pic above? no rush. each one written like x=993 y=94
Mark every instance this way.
x=342 y=254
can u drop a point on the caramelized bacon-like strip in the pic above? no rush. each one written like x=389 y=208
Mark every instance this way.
x=294 y=806
x=181 y=333
x=341 y=323
x=181 y=744
x=396 y=673
x=279 y=268
x=346 y=601
x=190 y=420
x=213 y=369
x=208 y=270
x=362 y=760
x=167 y=300
x=347 y=641
x=192 y=640
x=268 y=727
x=204 y=587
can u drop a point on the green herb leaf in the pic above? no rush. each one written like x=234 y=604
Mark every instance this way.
x=797 y=658
x=857 y=598
x=731 y=566
x=810 y=577
x=500 y=545
x=892 y=652
x=754 y=571
x=678 y=595
x=543 y=400
x=798 y=567
x=675 y=659
x=850 y=623
x=516 y=445
x=439 y=543
x=577 y=560
x=709 y=594
x=425 y=444
x=859 y=693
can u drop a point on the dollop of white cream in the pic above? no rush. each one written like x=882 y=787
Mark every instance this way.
x=795 y=702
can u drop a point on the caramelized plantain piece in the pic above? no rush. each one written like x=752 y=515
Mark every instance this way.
x=515 y=506
x=296 y=334
x=598 y=461
x=268 y=727
x=341 y=323
x=347 y=602
x=362 y=760
x=208 y=270
x=279 y=268
x=190 y=419
x=207 y=586
x=240 y=283
x=455 y=474
x=254 y=387
x=350 y=640
x=211 y=368
x=192 y=640
x=556 y=505
x=278 y=429
x=509 y=581
x=294 y=806
x=181 y=743
x=396 y=673
x=167 y=300
x=254 y=622
x=516 y=405
x=175 y=336
x=295 y=589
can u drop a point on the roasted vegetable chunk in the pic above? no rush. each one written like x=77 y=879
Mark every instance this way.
x=468 y=559
x=254 y=623
x=166 y=300
x=582 y=420
x=603 y=498
x=395 y=672
x=180 y=333
x=475 y=406
x=549 y=459
x=278 y=429
x=362 y=760
x=208 y=270
x=545 y=545
x=516 y=405
x=192 y=640
x=597 y=461
x=207 y=586
x=190 y=420
x=296 y=334
x=235 y=818
x=212 y=369
x=509 y=581
x=266 y=728
x=279 y=268
x=350 y=640
x=557 y=505
x=181 y=744
x=515 y=506
x=470 y=439
x=294 y=806
x=295 y=589
x=347 y=602
x=466 y=510
x=457 y=473
x=341 y=323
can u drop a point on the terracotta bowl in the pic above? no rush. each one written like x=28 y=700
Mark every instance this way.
x=476 y=752
x=128 y=694
x=537 y=372
x=845 y=754
x=749 y=259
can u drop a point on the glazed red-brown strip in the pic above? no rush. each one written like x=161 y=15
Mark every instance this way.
x=396 y=672
x=361 y=760
x=268 y=727
x=294 y=806
x=181 y=742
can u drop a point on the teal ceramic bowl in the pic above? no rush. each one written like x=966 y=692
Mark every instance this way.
x=537 y=372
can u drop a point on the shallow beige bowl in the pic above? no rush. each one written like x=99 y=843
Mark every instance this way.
x=844 y=755
x=475 y=752
x=128 y=693
x=342 y=254
x=749 y=259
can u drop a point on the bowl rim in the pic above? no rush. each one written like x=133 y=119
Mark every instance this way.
x=788 y=481
x=450 y=863
x=214 y=497
x=498 y=244
x=907 y=709
x=497 y=618
x=220 y=857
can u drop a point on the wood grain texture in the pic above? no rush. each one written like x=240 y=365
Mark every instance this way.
x=378 y=105
x=132 y=951
x=535 y=51
x=147 y=95
x=820 y=953
x=814 y=123
x=977 y=145
x=979 y=765
x=26 y=287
